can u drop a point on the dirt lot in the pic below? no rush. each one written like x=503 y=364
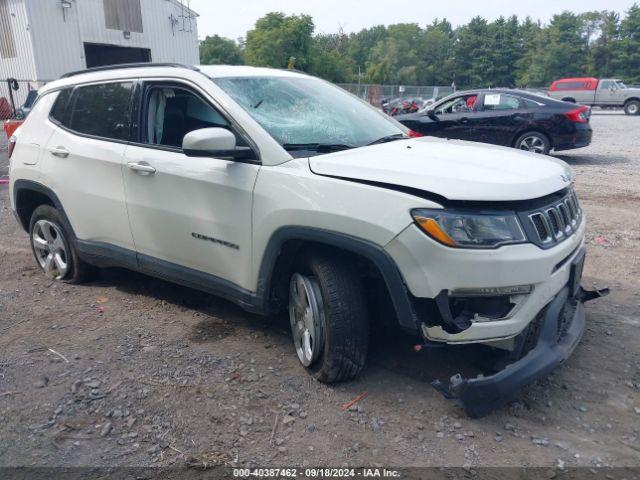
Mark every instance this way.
x=129 y=370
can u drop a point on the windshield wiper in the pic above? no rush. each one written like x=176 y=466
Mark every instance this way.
x=388 y=138
x=317 y=147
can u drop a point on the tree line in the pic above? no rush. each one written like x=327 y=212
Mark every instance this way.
x=506 y=52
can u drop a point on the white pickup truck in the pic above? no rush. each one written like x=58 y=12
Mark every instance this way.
x=604 y=92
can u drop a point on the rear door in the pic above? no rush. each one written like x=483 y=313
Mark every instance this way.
x=188 y=214
x=83 y=163
x=501 y=116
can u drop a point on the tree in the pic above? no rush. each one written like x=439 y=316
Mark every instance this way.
x=472 y=53
x=277 y=39
x=436 y=65
x=603 y=48
x=627 y=55
x=219 y=50
x=330 y=59
x=394 y=58
x=503 y=53
x=529 y=68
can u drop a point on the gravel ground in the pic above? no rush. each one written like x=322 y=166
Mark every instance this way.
x=129 y=370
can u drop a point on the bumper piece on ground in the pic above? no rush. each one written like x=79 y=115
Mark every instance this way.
x=562 y=326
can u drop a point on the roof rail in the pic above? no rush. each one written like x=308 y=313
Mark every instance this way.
x=128 y=65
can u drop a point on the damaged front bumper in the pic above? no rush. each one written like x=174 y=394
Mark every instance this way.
x=562 y=325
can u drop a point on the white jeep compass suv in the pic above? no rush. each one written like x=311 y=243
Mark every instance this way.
x=280 y=191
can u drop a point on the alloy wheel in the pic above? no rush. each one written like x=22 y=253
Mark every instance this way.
x=532 y=143
x=306 y=314
x=50 y=250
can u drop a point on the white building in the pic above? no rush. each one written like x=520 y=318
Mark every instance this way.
x=42 y=39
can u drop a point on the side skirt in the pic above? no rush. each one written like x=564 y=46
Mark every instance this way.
x=106 y=255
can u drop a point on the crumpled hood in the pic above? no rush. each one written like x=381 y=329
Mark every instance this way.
x=453 y=169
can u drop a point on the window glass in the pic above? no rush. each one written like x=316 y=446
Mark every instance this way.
x=102 y=110
x=172 y=112
x=303 y=110
x=571 y=85
x=526 y=103
x=606 y=84
x=123 y=15
x=465 y=103
x=500 y=101
x=60 y=106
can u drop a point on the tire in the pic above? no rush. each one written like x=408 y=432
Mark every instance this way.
x=336 y=324
x=570 y=100
x=535 y=142
x=53 y=251
x=632 y=107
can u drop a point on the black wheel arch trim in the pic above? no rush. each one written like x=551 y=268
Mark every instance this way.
x=22 y=185
x=391 y=275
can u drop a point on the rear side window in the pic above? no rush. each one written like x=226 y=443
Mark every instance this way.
x=102 y=110
x=526 y=103
x=500 y=101
x=572 y=85
x=59 y=108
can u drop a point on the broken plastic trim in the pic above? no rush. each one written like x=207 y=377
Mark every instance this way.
x=481 y=395
x=451 y=324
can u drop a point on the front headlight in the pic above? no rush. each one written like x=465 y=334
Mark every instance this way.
x=470 y=230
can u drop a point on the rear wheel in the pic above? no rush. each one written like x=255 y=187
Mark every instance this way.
x=329 y=318
x=535 y=142
x=52 y=249
x=632 y=107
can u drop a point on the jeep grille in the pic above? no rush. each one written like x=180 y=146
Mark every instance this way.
x=554 y=223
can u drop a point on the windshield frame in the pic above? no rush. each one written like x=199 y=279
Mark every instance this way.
x=396 y=128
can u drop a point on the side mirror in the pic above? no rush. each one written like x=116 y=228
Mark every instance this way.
x=431 y=113
x=214 y=142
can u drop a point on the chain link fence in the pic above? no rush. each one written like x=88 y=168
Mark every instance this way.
x=374 y=94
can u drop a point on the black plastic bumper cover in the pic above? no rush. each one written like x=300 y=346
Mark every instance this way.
x=479 y=396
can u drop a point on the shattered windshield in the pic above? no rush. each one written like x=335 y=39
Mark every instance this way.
x=299 y=111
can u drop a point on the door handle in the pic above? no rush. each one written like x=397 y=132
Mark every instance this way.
x=464 y=120
x=141 y=168
x=59 y=152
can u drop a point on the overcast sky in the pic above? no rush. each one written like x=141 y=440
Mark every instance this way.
x=233 y=18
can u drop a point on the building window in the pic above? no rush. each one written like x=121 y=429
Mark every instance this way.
x=124 y=15
x=7 y=42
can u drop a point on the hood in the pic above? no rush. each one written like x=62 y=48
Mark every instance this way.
x=453 y=169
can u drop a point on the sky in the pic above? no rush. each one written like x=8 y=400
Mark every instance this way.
x=233 y=19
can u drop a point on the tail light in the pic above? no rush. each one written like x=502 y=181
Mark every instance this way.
x=414 y=134
x=578 y=115
x=11 y=145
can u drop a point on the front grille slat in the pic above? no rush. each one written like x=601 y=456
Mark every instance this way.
x=555 y=223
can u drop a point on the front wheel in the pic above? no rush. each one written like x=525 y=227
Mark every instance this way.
x=533 y=142
x=329 y=318
x=632 y=107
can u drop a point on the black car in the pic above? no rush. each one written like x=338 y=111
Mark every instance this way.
x=506 y=117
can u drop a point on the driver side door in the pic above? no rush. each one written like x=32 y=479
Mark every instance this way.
x=450 y=119
x=190 y=216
